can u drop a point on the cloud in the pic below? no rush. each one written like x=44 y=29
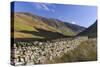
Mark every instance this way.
x=46 y=7
x=73 y=22
x=42 y=6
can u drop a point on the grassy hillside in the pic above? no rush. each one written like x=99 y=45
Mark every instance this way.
x=27 y=25
x=65 y=27
x=24 y=22
x=86 y=51
x=59 y=25
x=91 y=31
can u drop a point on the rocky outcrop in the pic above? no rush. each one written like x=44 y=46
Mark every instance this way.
x=38 y=52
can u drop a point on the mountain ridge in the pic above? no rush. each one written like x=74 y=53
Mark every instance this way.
x=29 y=22
x=90 y=31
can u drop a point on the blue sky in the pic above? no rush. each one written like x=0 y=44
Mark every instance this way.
x=77 y=14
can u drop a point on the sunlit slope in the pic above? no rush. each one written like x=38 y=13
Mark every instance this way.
x=25 y=22
x=65 y=27
x=27 y=25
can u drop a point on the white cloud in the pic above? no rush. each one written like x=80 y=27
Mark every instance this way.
x=73 y=22
x=46 y=7
x=42 y=6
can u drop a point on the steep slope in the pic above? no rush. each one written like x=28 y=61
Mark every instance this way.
x=76 y=28
x=91 y=31
x=65 y=27
x=27 y=25
x=59 y=25
x=25 y=22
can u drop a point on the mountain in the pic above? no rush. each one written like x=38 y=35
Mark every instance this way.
x=65 y=27
x=90 y=31
x=26 y=25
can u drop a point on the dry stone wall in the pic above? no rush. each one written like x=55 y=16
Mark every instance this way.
x=36 y=52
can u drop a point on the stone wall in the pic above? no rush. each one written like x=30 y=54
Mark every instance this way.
x=36 y=52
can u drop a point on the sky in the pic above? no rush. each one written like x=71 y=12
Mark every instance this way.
x=76 y=14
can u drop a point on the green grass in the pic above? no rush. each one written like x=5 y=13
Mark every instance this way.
x=86 y=51
x=27 y=23
x=24 y=22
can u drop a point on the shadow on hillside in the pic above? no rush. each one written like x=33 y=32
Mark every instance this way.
x=48 y=35
x=91 y=31
x=44 y=33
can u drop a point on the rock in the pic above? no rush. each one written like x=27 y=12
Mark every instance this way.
x=38 y=52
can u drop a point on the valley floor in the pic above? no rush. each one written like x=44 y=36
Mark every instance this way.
x=60 y=50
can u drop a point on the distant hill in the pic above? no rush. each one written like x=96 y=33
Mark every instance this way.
x=65 y=27
x=90 y=31
x=27 y=25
